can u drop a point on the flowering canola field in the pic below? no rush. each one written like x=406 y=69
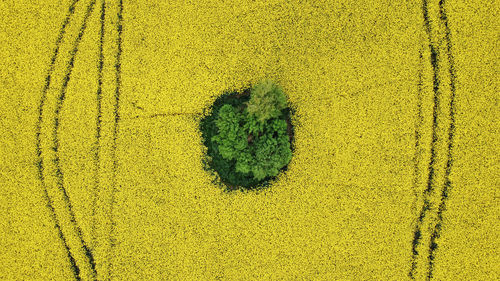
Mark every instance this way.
x=395 y=173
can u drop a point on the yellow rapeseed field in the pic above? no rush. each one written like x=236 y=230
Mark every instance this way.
x=396 y=168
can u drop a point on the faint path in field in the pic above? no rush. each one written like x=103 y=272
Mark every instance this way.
x=116 y=114
x=436 y=233
x=39 y=163
x=430 y=179
x=166 y=115
x=55 y=134
x=418 y=128
x=417 y=159
x=97 y=144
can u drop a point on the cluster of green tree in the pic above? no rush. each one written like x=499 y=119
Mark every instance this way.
x=247 y=138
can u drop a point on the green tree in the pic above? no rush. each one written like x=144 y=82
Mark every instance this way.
x=270 y=152
x=231 y=138
x=258 y=148
x=267 y=100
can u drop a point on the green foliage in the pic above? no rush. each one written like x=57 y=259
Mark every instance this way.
x=267 y=101
x=269 y=153
x=232 y=139
x=250 y=145
x=252 y=125
x=214 y=162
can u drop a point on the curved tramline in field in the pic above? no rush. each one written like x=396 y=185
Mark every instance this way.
x=436 y=59
x=41 y=163
x=40 y=167
x=82 y=255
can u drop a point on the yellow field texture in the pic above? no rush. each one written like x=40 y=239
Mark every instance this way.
x=395 y=173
